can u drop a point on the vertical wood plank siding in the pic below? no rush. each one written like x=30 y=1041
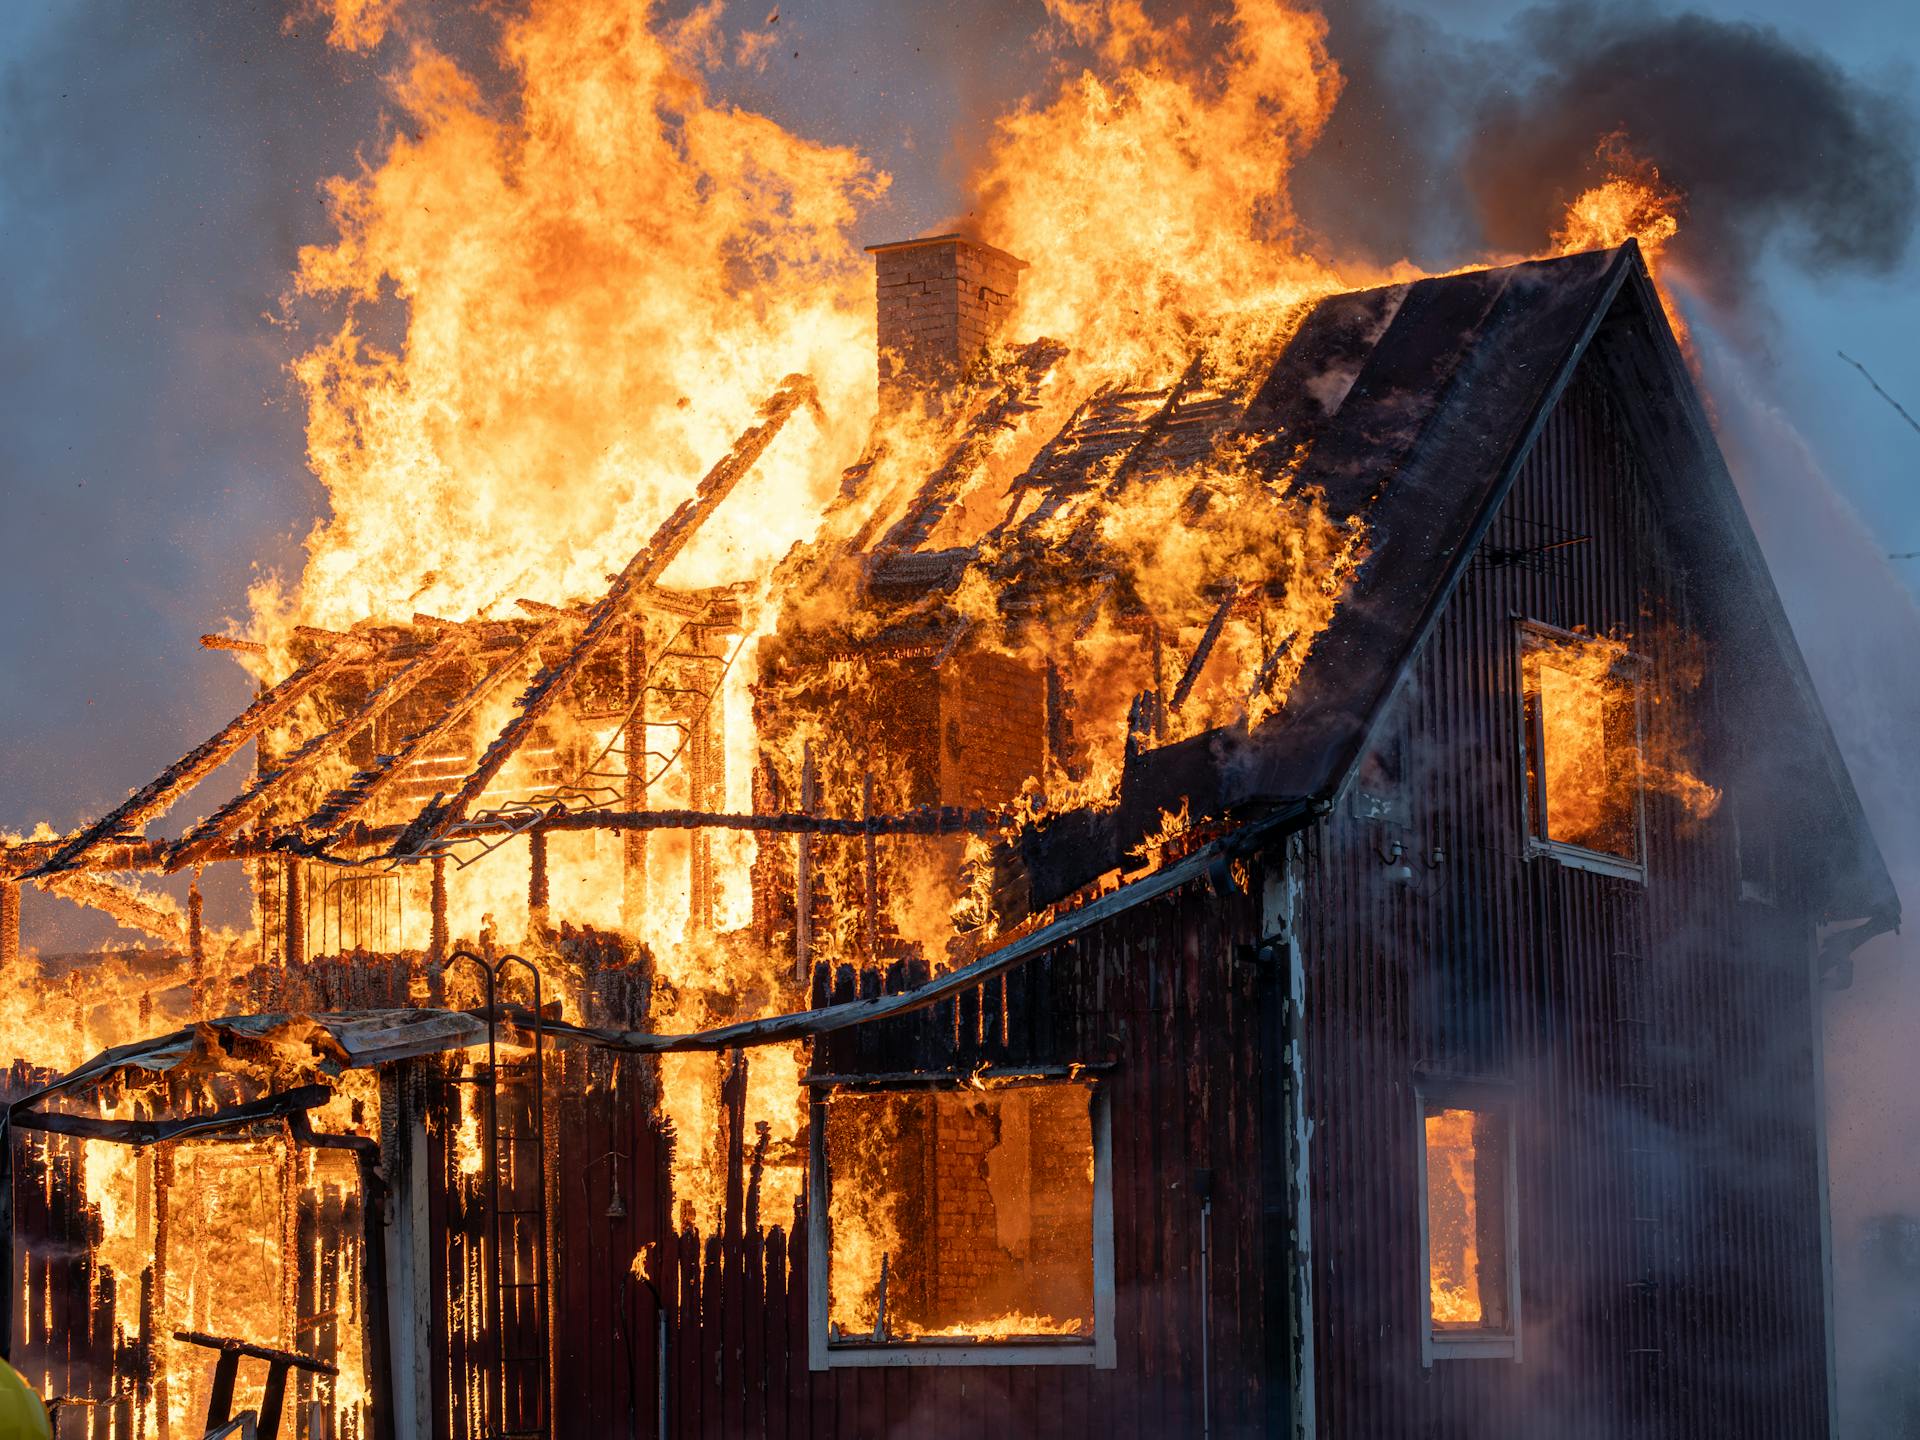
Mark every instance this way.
x=1657 y=1035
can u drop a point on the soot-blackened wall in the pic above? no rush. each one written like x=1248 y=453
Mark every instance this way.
x=1657 y=1033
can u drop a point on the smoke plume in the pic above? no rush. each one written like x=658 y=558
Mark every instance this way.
x=1441 y=146
x=1769 y=142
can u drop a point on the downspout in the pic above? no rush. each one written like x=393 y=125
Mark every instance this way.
x=1203 y=1188
x=1833 y=970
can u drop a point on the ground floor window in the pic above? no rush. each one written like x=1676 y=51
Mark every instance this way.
x=1471 y=1291
x=955 y=1224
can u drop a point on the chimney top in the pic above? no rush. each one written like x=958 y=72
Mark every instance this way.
x=954 y=238
x=940 y=299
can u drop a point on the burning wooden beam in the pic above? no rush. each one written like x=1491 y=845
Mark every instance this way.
x=1191 y=675
x=173 y=782
x=1019 y=396
x=145 y=855
x=825 y=1019
x=244 y=808
x=152 y=1132
x=633 y=845
x=124 y=904
x=233 y=643
x=344 y=808
x=9 y=923
x=620 y=601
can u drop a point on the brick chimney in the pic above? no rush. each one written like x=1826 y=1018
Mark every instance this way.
x=940 y=300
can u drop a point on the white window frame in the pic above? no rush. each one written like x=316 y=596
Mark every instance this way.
x=1098 y=1351
x=1579 y=857
x=1482 y=1096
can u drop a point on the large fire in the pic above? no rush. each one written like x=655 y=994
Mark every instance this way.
x=594 y=280
x=1632 y=203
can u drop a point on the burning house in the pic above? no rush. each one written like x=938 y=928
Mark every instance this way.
x=1285 y=896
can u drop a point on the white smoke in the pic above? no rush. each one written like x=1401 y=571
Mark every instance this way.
x=1860 y=632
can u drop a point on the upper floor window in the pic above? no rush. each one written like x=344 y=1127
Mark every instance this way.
x=1582 y=742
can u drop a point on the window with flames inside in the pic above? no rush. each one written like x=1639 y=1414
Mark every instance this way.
x=1467 y=1230
x=963 y=1225
x=1582 y=745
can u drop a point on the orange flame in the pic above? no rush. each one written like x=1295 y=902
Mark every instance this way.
x=1632 y=203
x=1599 y=746
x=1453 y=1220
x=597 y=280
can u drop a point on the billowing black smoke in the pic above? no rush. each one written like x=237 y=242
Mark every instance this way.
x=1770 y=143
x=1440 y=144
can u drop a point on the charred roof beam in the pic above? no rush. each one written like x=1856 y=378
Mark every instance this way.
x=157 y=797
x=625 y=595
x=251 y=802
x=346 y=807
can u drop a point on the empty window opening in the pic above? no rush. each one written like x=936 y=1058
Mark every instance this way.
x=1583 y=744
x=959 y=1217
x=1467 y=1228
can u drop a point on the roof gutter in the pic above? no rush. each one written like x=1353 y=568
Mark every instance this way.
x=1212 y=863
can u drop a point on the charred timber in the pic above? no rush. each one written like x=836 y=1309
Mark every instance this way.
x=622 y=598
x=126 y=906
x=373 y=1210
x=1019 y=396
x=1212 y=864
x=233 y=643
x=152 y=1132
x=344 y=806
x=929 y=820
x=173 y=782
x=251 y=802
x=227 y=1344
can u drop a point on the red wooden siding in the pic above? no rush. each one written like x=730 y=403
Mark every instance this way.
x=1657 y=1037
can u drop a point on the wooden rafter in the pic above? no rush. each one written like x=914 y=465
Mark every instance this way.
x=623 y=597
x=1060 y=443
x=1191 y=675
x=154 y=799
x=123 y=903
x=1122 y=474
x=346 y=806
x=1017 y=397
x=247 y=806
x=1063 y=468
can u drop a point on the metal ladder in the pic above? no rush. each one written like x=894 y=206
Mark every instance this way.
x=602 y=781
